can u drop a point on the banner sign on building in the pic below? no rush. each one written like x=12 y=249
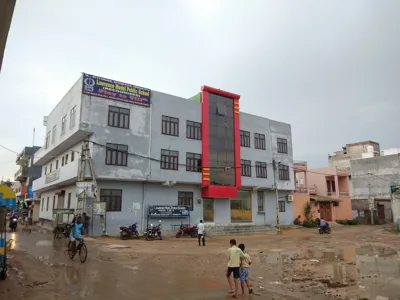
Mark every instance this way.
x=395 y=189
x=165 y=211
x=115 y=90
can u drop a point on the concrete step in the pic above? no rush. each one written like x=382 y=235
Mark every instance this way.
x=239 y=229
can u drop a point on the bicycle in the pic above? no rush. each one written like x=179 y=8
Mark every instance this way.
x=81 y=248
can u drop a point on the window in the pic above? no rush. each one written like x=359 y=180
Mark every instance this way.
x=51 y=167
x=260 y=201
x=42 y=204
x=47 y=140
x=56 y=164
x=118 y=117
x=282 y=206
x=69 y=201
x=53 y=138
x=261 y=169
x=116 y=155
x=259 y=141
x=63 y=124
x=246 y=167
x=72 y=155
x=47 y=204
x=193 y=130
x=113 y=199
x=66 y=159
x=72 y=117
x=186 y=198
x=62 y=161
x=282 y=145
x=54 y=202
x=193 y=162
x=45 y=170
x=169 y=159
x=170 y=126
x=284 y=172
x=244 y=138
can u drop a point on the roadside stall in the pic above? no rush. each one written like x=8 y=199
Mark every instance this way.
x=7 y=202
x=62 y=219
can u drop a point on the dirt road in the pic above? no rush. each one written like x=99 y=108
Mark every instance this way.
x=354 y=262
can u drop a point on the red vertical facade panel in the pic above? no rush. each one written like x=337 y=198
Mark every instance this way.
x=215 y=191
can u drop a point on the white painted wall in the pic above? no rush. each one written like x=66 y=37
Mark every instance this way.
x=390 y=151
x=47 y=212
x=71 y=99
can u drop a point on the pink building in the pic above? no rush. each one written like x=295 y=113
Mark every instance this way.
x=328 y=189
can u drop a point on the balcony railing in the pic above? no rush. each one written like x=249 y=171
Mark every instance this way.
x=21 y=173
x=312 y=189
x=301 y=188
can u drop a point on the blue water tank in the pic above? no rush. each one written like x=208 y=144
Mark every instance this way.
x=398 y=223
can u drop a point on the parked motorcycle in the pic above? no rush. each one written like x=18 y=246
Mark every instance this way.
x=324 y=229
x=153 y=232
x=128 y=232
x=186 y=229
x=13 y=224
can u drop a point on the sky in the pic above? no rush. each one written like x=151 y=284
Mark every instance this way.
x=329 y=68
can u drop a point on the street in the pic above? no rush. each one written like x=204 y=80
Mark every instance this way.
x=354 y=262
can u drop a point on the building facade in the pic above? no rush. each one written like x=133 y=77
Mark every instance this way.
x=371 y=179
x=151 y=148
x=328 y=190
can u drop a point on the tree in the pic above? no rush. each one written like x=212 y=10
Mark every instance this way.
x=7 y=183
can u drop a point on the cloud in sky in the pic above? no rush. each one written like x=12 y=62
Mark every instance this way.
x=331 y=69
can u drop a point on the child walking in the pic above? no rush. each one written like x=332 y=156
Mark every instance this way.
x=244 y=270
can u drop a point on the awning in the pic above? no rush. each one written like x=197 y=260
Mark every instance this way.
x=318 y=198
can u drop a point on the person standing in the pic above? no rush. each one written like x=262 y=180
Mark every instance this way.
x=200 y=233
x=86 y=220
x=244 y=270
x=235 y=255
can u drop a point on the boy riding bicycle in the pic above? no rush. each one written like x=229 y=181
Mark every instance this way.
x=76 y=232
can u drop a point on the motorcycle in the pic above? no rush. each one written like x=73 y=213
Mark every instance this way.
x=152 y=232
x=324 y=229
x=13 y=224
x=128 y=232
x=186 y=229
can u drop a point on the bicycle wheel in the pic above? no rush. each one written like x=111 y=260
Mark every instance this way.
x=82 y=253
x=71 y=253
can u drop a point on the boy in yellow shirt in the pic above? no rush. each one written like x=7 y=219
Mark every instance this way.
x=244 y=270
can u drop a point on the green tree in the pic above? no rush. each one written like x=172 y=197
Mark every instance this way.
x=7 y=183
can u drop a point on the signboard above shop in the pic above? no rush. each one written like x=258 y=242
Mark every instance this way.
x=115 y=90
x=168 y=211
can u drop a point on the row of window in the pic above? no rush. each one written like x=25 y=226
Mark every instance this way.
x=113 y=199
x=261 y=201
x=259 y=141
x=64 y=161
x=117 y=155
x=54 y=202
x=119 y=117
x=52 y=134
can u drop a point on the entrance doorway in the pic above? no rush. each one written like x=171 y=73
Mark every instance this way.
x=325 y=211
x=241 y=207
x=381 y=211
x=208 y=210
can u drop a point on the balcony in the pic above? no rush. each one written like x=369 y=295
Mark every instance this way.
x=44 y=155
x=62 y=176
x=312 y=189
x=301 y=188
x=21 y=174
x=342 y=172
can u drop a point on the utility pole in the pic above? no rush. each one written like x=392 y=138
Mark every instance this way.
x=87 y=175
x=278 y=223
x=371 y=201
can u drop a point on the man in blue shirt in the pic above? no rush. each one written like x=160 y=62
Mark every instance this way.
x=76 y=232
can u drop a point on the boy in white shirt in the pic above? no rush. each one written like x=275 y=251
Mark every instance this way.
x=200 y=233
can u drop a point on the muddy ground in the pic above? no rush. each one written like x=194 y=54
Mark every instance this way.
x=354 y=262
